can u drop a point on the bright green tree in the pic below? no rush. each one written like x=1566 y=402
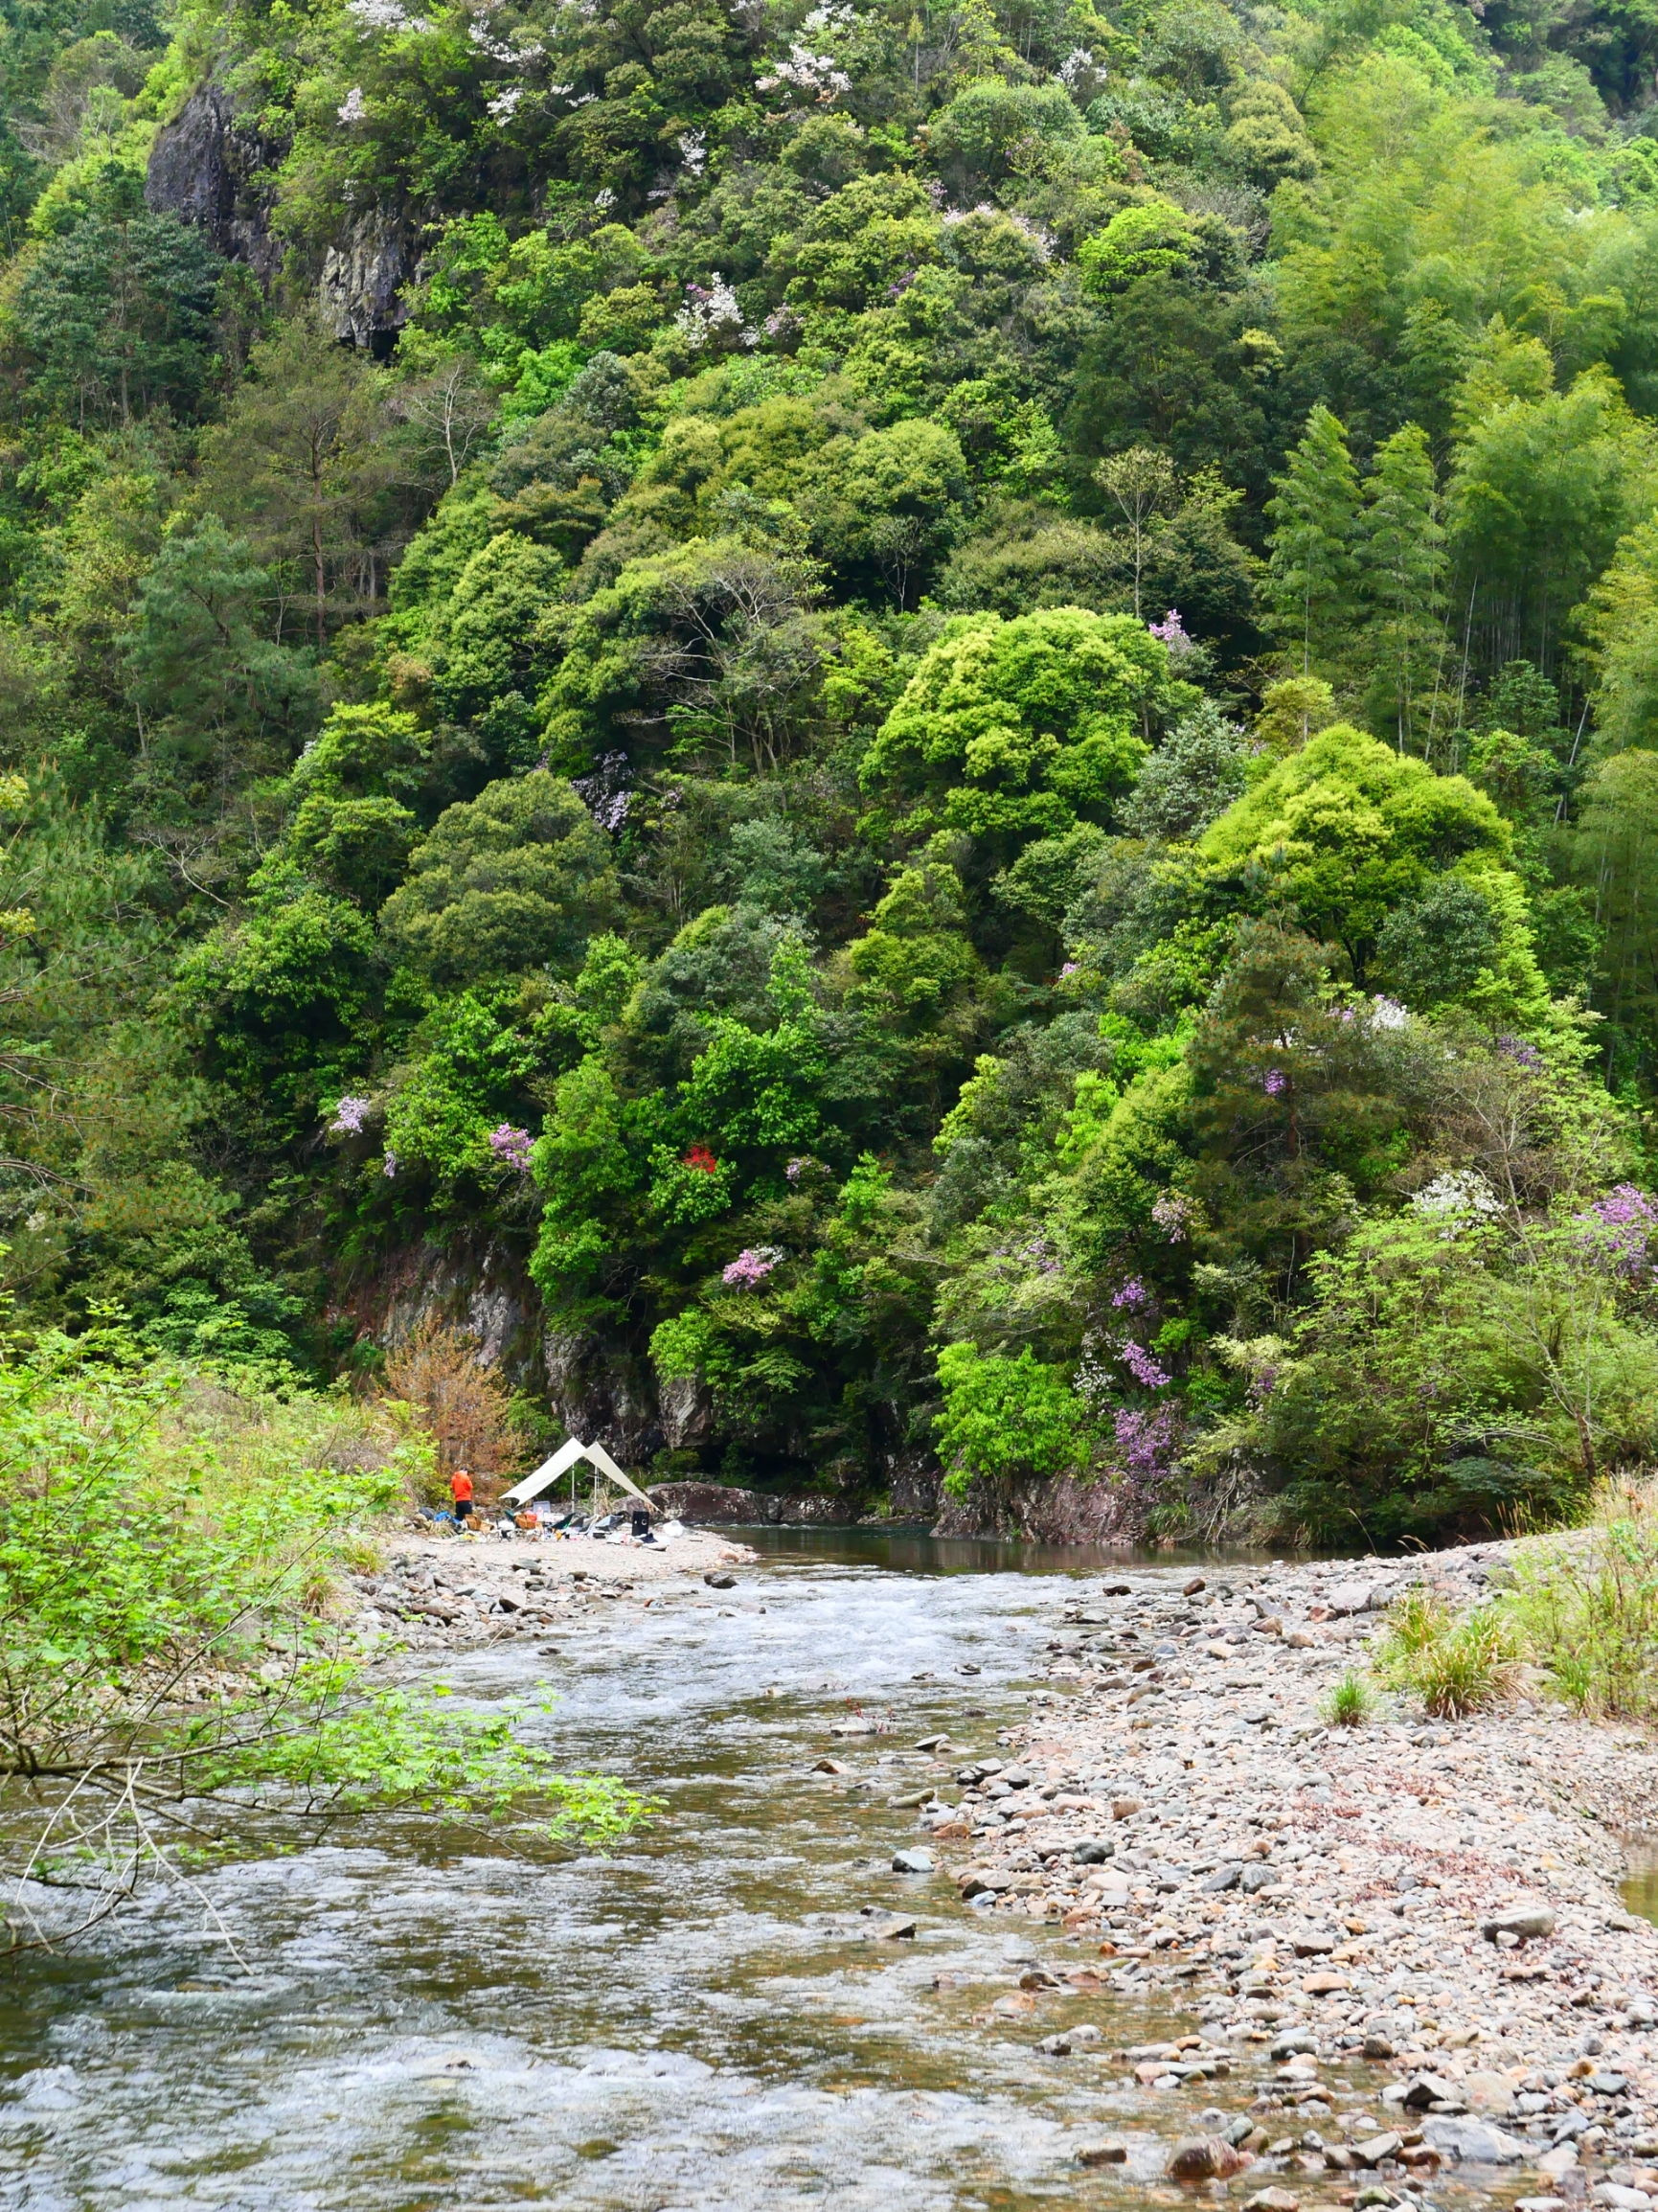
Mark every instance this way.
x=1017 y=729
x=1313 y=572
x=1401 y=562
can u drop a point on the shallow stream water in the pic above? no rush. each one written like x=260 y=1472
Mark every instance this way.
x=704 y=2019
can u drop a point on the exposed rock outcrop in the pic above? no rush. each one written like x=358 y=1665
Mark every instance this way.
x=481 y=1287
x=1045 y=1511
x=218 y=173
x=363 y=276
x=216 y=169
x=714 y=1502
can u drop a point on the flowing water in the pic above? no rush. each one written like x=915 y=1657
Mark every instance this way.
x=705 y=2019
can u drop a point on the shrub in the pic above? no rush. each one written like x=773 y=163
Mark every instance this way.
x=1585 y=1606
x=468 y=1407
x=1456 y=1663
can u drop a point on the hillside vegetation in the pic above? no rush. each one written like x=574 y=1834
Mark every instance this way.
x=954 y=710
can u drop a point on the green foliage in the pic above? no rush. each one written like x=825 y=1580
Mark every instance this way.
x=1350 y=1703
x=982 y=682
x=1457 y=1664
x=1584 y=1606
x=1004 y=1418
x=519 y=877
x=1009 y=730
x=114 y=310
x=159 y=1568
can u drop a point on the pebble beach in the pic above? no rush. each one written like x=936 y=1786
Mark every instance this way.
x=1403 y=1945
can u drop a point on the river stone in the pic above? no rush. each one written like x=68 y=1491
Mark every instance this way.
x=1205 y=2159
x=1272 y=2200
x=1373 y=2149
x=1491 y=2093
x=1526 y=1924
x=1428 y=2089
x=1474 y=2142
x=1112 y=2151
x=915 y=1861
x=1351 y=1597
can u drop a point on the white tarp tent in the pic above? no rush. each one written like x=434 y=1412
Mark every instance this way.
x=560 y=1464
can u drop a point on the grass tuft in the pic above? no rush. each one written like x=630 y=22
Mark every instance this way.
x=1455 y=1663
x=1350 y=1703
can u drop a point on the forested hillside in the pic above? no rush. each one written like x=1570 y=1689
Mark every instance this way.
x=954 y=709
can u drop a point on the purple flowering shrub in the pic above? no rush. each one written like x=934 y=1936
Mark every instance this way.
x=751 y=1267
x=510 y=1147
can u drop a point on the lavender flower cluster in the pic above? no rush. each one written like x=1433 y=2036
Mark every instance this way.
x=751 y=1267
x=510 y=1147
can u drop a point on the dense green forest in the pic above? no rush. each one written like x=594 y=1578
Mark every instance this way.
x=954 y=708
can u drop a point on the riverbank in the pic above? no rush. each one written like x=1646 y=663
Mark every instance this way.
x=1403 y=1945
x=429 y=1592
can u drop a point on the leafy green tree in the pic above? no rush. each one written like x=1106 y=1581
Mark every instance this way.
x=1009 y=730
x=303 y=463
x=516 y=879
x=1004 y=1418
x=1347 y=830
x=1193 y=776
x=1615 y=854
x=115 y=308
x=1540 y=494
x=1401 y=562
x=1315 y=514
x=277 y=1001
x=216 y=699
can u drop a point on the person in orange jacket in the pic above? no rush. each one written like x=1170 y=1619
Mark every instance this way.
x=461 y=1490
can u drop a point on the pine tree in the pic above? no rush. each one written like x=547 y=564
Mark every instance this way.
x=1402 y=566
x=1312 y=575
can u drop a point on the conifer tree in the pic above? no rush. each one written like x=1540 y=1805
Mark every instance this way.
x=1312 y=574
x=1401 y=556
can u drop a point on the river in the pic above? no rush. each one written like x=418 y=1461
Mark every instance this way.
x=704 y=2019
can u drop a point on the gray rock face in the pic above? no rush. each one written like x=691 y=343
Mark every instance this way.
x=363 y=276
x=214 y=171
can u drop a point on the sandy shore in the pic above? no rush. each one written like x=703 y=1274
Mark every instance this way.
x=1403 y=1944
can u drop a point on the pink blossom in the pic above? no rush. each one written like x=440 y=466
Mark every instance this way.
x=1624 y=1225
x=751 y=1267
x=348 y=1121
x=1133 y=1295
x=510 y=1147
x=1171 y=631
x=1147 y=1441
x=390 y=1167
x=1275 y=1081
x=1143 y=1367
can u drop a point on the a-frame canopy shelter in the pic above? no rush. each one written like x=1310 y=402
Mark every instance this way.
x=561 y=1462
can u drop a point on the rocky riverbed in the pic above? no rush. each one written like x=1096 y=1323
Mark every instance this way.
x=429 y=1592
x=1401 y=1946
